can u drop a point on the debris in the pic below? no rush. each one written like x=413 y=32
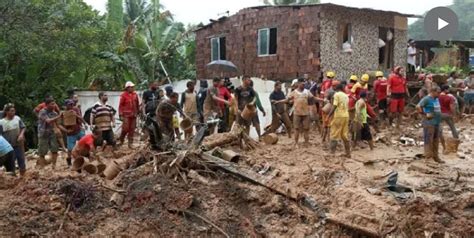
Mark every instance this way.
x=271 y=139
x=117 y=199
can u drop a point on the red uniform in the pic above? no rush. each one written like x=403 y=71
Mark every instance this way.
x=325 y=86
x=380 y=89
x=398 y=90
x=128 y=110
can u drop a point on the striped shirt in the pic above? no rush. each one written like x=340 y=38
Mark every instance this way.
x=103 y=114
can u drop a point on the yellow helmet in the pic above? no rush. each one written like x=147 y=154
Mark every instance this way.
x=379 y=74
x=354 y=77
x=365 y=78
x=330 y=74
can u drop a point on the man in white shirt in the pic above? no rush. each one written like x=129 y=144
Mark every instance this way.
x=411 y=60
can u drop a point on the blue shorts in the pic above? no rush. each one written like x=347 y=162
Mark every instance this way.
x=469 y=98
x=71 y=140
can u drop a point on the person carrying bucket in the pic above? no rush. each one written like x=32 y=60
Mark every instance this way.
x=86 y=147
x=246 y=99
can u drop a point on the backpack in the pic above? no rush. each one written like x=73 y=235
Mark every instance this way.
x=87 y=115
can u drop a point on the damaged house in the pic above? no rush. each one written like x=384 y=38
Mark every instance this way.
x=285 y=42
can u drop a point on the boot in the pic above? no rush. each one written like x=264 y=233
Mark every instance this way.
x=130 y=144
x=54 y=158
x=22 y=173
x=41 y=162
x=371 y=144
x=69 y=163
x=437 y=159
x=347 y=148
x=333 y=146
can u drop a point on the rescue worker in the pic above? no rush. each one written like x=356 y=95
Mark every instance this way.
x=340 y=121
x=128 y=112
x=380 y=93
x=352 y=81
x=327 y=83
x=396 y=90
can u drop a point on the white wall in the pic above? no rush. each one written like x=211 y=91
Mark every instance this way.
x=88 y=98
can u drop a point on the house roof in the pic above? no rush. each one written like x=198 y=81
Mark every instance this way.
x=311 y=5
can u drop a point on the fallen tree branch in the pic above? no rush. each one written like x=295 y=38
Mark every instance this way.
x=64 y=218
x=112 y=189
x=206 y=221
x=361 y=230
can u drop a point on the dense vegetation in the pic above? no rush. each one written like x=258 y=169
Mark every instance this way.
x=465 y=11
x=50 y=46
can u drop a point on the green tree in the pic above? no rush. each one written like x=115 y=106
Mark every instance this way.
x=115 y=21
x=290 y=2
x=465 y=11
x=48 y=47
x=151 y=37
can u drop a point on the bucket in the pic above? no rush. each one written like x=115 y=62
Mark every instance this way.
x=112 y=170
x=89 y=168
x=327 y=108
x=77 y=163
x=186 y=125
x=231 y=156
x=271 y=139
x=100 y=166
x=452 y=145
x=249 y=112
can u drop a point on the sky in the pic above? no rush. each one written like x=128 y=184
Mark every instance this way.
x=197 y=11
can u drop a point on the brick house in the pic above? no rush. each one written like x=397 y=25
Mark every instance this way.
x=285 y=42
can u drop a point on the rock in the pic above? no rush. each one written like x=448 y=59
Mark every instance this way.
x=275 y=205
x=374 y=191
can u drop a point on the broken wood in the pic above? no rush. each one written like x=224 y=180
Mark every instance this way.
x=250 y=176
x=207 y=221
x=351 y=226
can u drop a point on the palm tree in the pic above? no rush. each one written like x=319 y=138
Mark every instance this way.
x=290 y=2
x=151 y=36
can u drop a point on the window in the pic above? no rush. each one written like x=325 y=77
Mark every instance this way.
x=345 y=36
x=386 y=48
x=267 y=41
x=218 y=49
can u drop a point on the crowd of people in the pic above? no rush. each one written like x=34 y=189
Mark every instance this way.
x=342 y=111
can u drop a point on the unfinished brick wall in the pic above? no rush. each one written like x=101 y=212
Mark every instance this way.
x=365 y=33
x=297 y=40
x=306 y=38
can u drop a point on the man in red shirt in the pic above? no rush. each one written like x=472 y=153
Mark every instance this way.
x=128 y=111
x=85 y=147
x=448 y=109
x=396 y=90
x=224 y=94
x=380 y=92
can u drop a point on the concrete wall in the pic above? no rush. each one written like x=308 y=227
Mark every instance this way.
x=365 y=33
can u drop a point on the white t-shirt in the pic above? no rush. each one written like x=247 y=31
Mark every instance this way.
x=411 y=59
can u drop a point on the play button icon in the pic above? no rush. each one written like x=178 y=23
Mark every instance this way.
x=441 y=24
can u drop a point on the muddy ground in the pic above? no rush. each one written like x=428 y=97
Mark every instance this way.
x=346 y=197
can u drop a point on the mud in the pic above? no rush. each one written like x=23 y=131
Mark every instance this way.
x=339 y=197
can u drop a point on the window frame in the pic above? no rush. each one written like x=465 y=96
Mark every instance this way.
x=219 y=53
x=268 y=29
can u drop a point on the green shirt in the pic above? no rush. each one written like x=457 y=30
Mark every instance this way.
x=361 y=111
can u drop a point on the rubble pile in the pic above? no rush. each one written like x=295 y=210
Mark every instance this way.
x=270 y=190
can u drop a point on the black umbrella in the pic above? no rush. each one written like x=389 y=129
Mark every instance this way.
x=222 y=66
